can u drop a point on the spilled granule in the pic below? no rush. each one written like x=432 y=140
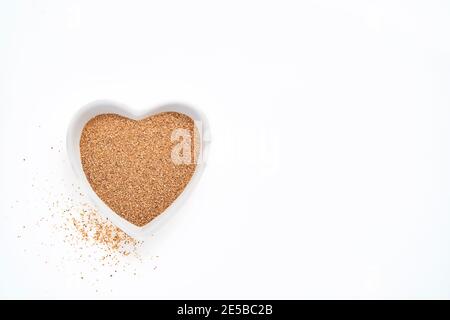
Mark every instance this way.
x=92 y=236
x=95 y=229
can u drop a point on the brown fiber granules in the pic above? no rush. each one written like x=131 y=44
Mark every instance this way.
x=96 y=229
x=129 y=163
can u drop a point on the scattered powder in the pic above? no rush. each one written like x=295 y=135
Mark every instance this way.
x=95 y=229
x=89 y=233
x=96 y=250
x=128 y=163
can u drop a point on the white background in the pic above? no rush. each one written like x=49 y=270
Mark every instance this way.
x=329 y=173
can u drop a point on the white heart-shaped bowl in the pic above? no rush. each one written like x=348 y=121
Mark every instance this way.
x=105 y=106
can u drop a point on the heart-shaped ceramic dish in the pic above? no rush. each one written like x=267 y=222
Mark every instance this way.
x=105 y=106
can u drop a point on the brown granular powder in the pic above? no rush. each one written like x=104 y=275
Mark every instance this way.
x=129 y=165
x=94 y=228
